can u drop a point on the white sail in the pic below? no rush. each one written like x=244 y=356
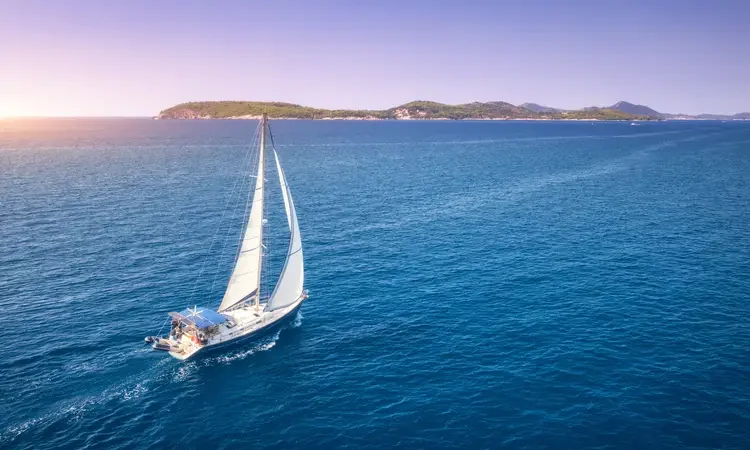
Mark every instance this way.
x=245 y=280
x=289 y=288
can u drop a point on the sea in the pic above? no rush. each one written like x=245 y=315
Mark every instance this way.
x=473 y=285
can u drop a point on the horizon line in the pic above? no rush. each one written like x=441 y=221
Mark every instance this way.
x=138 y=116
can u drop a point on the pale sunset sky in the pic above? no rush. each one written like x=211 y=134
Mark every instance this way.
x=137 y=57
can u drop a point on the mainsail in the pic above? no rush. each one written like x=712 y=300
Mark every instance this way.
x=289 y=288
x=244 y=284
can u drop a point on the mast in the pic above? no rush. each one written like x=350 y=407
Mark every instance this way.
x=261 y=180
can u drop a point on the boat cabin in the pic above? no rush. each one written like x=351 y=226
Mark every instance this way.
x=198 y=324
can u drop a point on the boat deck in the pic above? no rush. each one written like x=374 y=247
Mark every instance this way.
x=246 y=321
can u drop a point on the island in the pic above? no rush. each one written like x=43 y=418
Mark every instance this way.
x=427 y=110
x=417 y=110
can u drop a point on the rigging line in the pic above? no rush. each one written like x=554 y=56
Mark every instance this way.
x=229 y=234
x=267 y=279
x=216 y=232
x=264 y=234
x=247 y=166
x=249 y=199
x=219 y=226
x=273 y=146
x=162 y=326
x=278 y=174
x=243 y=228
x=266 y=252
x=248 y=209
x=270 y=134
x=221 y=259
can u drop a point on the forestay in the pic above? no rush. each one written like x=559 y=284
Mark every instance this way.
x=291 y=280
x=245 y=280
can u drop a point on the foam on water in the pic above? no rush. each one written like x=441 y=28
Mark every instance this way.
x=264 y=344
x=242 y=354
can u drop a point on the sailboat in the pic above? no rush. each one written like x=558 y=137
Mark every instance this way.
x=243 y=313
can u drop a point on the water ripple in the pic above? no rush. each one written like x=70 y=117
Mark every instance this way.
x=473 y=285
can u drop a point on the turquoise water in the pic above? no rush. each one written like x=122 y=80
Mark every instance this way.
x=473 y=285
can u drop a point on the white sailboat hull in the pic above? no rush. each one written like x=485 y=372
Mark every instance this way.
x=250 y=323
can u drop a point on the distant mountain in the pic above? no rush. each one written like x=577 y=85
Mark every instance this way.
x=713 y=117
x=630 y=108
x=540 y=108
x=739 y=116
x=594 y=113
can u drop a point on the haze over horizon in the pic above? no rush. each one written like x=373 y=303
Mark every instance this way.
x=87 y=58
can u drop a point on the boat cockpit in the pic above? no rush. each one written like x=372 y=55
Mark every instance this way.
x=191 y=327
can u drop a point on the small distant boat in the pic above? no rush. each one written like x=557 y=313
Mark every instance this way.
x=244 y=313
x=634 y=124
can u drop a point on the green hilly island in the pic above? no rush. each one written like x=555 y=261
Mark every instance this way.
x=417 y=110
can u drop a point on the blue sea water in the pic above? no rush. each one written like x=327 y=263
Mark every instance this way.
x=473 y=285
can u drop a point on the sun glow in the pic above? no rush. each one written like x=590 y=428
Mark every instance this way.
x=7 y=110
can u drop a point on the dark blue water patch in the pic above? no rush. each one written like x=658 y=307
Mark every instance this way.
x=474 y=285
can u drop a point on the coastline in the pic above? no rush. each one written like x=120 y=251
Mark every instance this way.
x=468 y=119
x=416 y=110
x=425 y=110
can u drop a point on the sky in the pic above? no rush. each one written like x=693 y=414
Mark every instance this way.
x=137 y=57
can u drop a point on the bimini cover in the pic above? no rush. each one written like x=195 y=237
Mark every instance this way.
x=200 y=316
